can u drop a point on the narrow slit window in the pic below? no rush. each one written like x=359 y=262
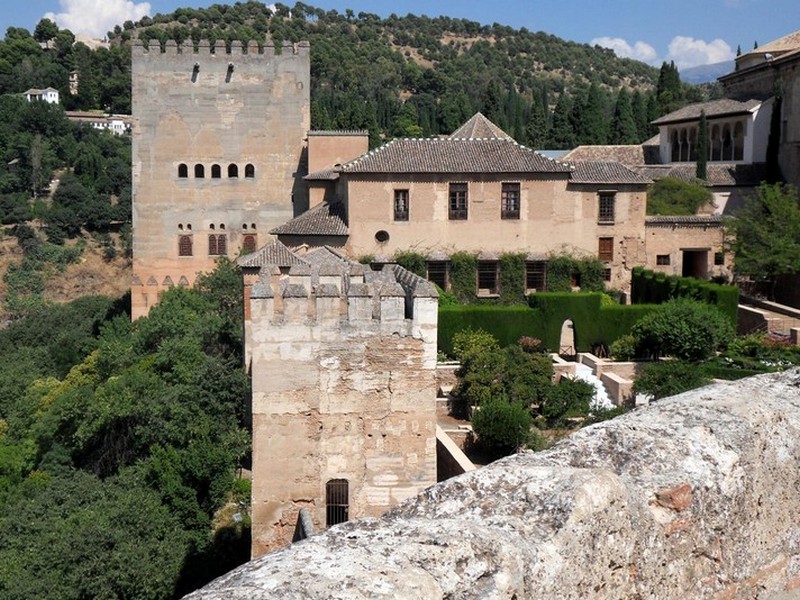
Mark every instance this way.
x=249 y=171
x=216 y=172
x=183 y=171
x=337 y=502
x=199 y=171
x=233 y=170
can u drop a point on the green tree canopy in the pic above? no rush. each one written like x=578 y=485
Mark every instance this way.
x=765 y=233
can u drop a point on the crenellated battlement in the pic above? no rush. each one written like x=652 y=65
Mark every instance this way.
x=218 y=48
x=345 y=296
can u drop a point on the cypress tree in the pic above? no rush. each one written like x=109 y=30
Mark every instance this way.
x=702 y=148
x=623 y=125
x=562 y=136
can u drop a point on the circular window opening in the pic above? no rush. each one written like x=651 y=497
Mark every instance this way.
x=382 y=236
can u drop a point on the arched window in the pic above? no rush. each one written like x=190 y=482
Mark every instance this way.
x=233 y=170
x=248 y=244
x=217 y=244
x=738 y=141
x=184 y=245
x=727 y=145
x=693 y=144
x=216 y=172
x=337 y=502
x=716 y=143
x=249 y=171
x=199 y=171
x=675 y=148
x=684 y=146
x=183 y=171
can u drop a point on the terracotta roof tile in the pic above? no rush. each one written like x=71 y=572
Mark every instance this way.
x=715 y=108
x=479 y=127
x=716 y=174
x=450 y=155
x=274 y=253
x=625 y=154
x=704 y=220
x=601 y=172
x=325 y=219
x=329 y=174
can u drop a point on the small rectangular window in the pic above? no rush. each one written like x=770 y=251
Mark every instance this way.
x=536 y=275
x=509 y=201
x=606 y=274
x=459 y=202
x=663 y=260
x=605 y=249
x=437 y=273
x=401 y=205
x=337 y=502
x=606 y=207
x=719 y=258
x=488 y=278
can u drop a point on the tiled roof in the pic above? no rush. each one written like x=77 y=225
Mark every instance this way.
x=338 y=132
x=274 y=253
x=715 y=108
x=716 y=174
x=784 y=44
x=324 y=255
x=625 y=154
x=449 y=155
x=329 y=174
x=600 y=172
x=479 y=127
x=325 y=219
x=683 y=220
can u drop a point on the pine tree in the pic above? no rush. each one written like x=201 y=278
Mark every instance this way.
x=738 y=50
x=702 y=148
x=623 y=125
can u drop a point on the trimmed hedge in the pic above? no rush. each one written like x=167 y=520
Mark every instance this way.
x=650 y=287
x=594 y=323
x=506 y=323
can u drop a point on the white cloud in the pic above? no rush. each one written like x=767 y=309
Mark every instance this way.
x=97 y=17
x=688 y=52
x=640 y=50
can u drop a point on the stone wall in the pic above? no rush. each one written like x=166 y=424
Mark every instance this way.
x=692 y=497
x=242 y=117
x=343 y=362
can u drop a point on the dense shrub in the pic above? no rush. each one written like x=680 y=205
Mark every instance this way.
x=673 y=196
x=502 y=427
x=667 y=378
x=683 y=329
x=569 y=398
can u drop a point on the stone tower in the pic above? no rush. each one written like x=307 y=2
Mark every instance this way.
x=344 y=394
x=218 y=152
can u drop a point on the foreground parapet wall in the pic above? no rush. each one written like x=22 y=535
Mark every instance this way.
x=692 y=497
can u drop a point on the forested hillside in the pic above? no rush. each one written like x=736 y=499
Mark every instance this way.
x=120 y=443
x=399 y=76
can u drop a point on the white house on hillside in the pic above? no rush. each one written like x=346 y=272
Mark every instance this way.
x=48 y=94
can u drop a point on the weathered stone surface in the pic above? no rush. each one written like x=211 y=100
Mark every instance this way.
x=697 y=496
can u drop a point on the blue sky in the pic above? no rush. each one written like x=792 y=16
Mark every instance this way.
x=690 y=32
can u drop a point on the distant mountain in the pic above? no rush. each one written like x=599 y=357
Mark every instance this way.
x=707 y=73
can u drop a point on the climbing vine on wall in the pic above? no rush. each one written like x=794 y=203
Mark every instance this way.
x=512 y=278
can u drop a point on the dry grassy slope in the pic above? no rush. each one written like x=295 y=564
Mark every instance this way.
x=91 y=276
